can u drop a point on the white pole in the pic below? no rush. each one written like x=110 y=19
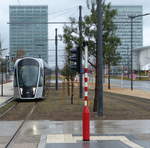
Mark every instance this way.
x=86 y=77
x=86 y=57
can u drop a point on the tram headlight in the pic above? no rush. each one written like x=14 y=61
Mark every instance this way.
x=21 y=90
x=34 y=89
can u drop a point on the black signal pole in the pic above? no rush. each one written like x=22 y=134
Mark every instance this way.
x=80 y=50
x=99 y=61
x=56 y=59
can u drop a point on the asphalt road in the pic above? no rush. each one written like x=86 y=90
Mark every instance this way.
x=141 y=85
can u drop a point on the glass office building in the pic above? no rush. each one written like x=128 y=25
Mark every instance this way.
x=124 y=31
x=28 y=31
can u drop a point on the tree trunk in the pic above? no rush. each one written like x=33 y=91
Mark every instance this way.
x=95 y=97
x=95 y=101
x=68 y=86
x=109 y=76
x=72 y=92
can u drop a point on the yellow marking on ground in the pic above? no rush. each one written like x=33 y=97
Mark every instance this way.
x=68 y=138
x=60 y=138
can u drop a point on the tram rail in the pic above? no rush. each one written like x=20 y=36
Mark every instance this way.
x=14 y=136
x=8 y=110
x=7 y=102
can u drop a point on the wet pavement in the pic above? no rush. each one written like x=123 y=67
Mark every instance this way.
x=102 y=144
x=56 y=134
x=7 y=92
x=67 y=134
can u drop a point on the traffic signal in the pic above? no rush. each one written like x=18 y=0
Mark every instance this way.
x=74 y=59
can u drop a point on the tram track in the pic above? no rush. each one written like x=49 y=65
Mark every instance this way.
x=8 y=110
x=15 y=135
x=6 y=102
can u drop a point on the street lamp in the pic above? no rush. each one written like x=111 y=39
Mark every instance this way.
x=2 y=80
x=56 y=55
x=7 y=67
x=131 y=17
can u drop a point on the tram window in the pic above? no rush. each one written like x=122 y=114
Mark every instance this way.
x=28 y=75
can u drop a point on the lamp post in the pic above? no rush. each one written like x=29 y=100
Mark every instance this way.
x=7 y=67
x=131 y=17
x=56 y=57
x=1 y=78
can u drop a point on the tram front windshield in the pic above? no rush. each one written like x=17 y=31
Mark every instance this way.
x=28 y=71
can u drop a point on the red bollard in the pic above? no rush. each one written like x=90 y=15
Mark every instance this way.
x=86 y=112
x=86 y=123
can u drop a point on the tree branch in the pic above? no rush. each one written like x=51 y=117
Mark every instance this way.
x=91 y=64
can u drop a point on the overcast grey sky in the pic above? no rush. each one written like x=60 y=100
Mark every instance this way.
x=60 y=10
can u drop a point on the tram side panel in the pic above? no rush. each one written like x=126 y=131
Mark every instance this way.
x=16 y=89
x=46 y=85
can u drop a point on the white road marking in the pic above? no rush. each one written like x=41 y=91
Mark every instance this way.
x=68 y=138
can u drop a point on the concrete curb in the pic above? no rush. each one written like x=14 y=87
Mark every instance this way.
x=118 y=94
x=6 y=102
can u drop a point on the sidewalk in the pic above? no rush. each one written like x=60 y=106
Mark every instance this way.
x=128 y=92
x=44 y=131
x=124 y=91
x=103 y=133
x=7 y=92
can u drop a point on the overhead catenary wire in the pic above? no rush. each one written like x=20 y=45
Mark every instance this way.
x=63 y=13
x=56 y=12
x=60 y=14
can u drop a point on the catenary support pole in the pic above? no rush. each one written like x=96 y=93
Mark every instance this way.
x=80 y=51
x=86 y=112
x=1 y=78
x=131 y=53
x=56 y=59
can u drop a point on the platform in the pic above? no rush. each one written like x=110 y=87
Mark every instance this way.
x=56 y=134
x=7 y=92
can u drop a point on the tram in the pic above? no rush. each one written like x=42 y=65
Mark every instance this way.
x=30 y=78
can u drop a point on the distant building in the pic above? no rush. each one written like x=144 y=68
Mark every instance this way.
x=124 y=30
x=28 y=31
x=142 y=58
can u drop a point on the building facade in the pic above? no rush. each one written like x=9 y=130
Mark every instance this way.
x=123 y=24
x=142 y=58
x=28 y=31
